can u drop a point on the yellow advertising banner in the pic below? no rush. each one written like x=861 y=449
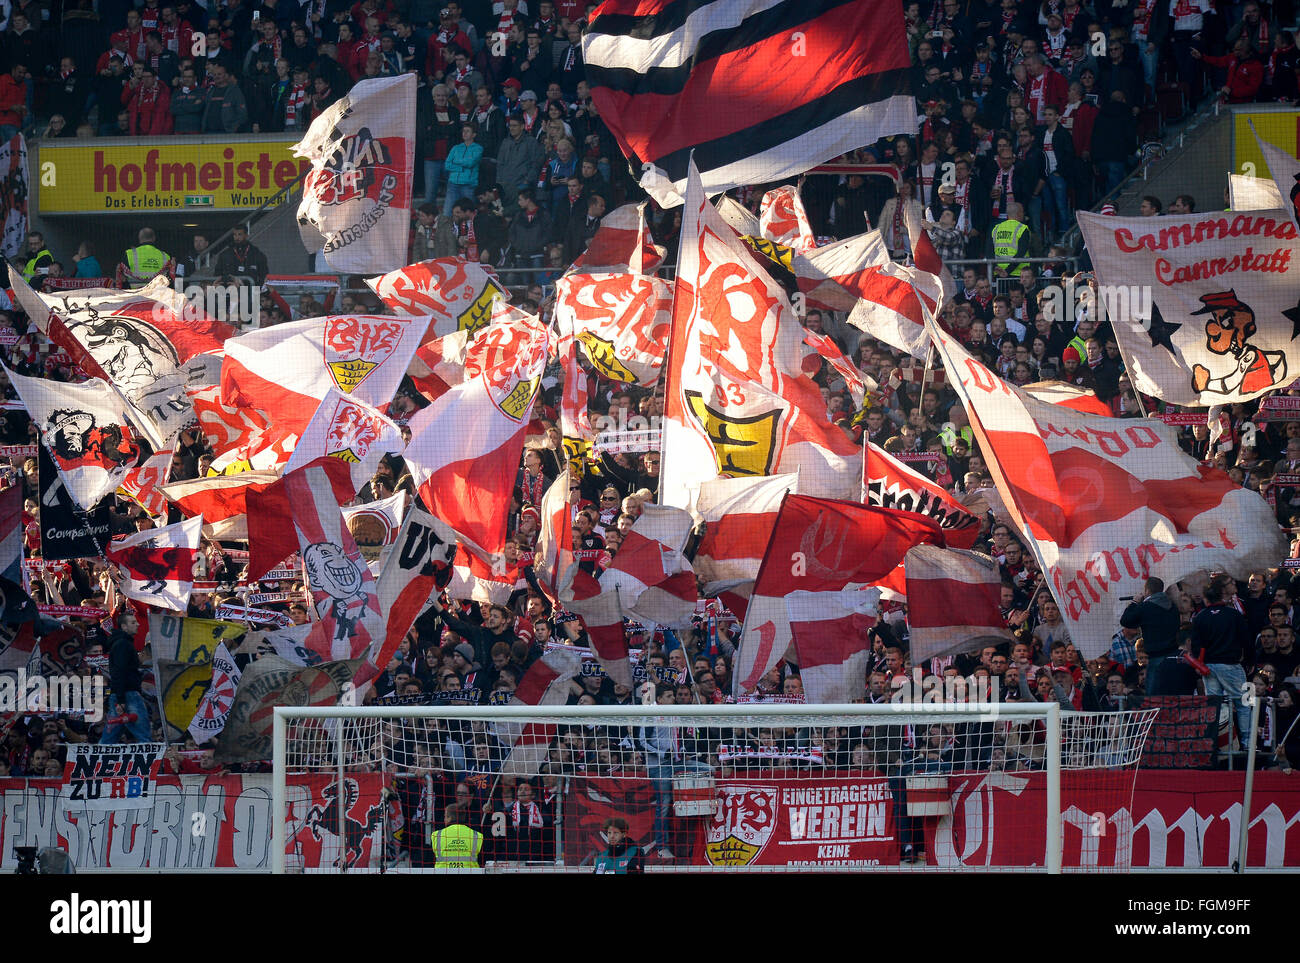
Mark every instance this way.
x=1278 y=127
x=185 y=175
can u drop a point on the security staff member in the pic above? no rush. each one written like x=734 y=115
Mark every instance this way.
x=39 y=257
x=1011 y=239
x=144 y=261
x=457 y=846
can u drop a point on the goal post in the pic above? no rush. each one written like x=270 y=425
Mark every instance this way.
x=757 y=786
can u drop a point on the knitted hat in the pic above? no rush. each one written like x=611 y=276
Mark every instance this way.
x=1070 y=352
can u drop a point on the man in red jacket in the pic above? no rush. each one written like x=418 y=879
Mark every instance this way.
x=148 y=103
x=13 y=101
x=1245 y=71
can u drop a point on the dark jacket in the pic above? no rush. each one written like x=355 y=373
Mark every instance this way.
x=1114 y=136
x=1223 y=633
x=187 y=109
x=1158 y=618
x=123 y=665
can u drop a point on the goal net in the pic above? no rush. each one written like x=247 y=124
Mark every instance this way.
x=753 y=787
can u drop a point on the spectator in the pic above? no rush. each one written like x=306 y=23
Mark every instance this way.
x=224 y=107
x=1114 y=141
x=124 y=683
x=148 y=103
x=1155 y=615
x=582 y=228
x=1245 y=71
x=530 y=230
x=68 y=93
x=13 y=101
x=462 y=166
x=519 y=161
x=1221 y=633
x=241 y=260
x=87 y=263
x=438 y=131
x=38 y=259
x=145 y=261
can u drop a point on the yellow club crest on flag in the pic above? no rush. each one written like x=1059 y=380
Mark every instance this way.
x=744 y=444
x=347 y=454
x=479 y=312
x=742 y=824
x=350 y=373
x=600 y=352
x=576 y=449
x=517 y=404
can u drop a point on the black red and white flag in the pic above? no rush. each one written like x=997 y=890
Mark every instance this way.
x=759 y=90
x=415 y=570
x=888 y=483
x=157 y=565
x=357 y=197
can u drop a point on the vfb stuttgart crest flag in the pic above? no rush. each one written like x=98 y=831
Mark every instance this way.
x=358 y=194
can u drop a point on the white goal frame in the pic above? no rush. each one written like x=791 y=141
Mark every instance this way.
x=895 y=713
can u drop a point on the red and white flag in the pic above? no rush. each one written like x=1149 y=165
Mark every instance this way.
x=622 y=243
x=823 y=557
x=451 y=293
x=465 y=447
x=86 y=430
x=546 y=683
x=382 y=517
x=554 y=555
x=575 y=397
x=649 y=580
x=276 y=532
x=416 y=569
x=954 y=600
x=210 y=717
x=738 y=400
x=857 y=383
x=150 y=344
x=1106 y=502
x=752 y=90
x=621 y=321
x=889 y=483
x=142 y=484
x=157 y=565
x=357 y=196
x=219 y=497
x=477 y=580
x=439 y=365
x=782 y=219
x=242 y=438
x=351 y=431
x=288 y=369
x=739 y=516
x=1069 y=396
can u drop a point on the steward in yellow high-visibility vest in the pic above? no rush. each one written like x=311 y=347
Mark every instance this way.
x=146 y=260
x=39 y=257
x=1010 y=239
x=457 y=846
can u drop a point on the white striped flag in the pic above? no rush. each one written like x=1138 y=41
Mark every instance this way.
x=622 y=243
x=575 y=397
x=554 y=556
x=826 y=553
x=414 y=571
x=452 y=294
x=349 y=430
x=1069 y=396
x=546 y=683
x=219 y=497
x=738 y=401
x=889 y=483
x=476 y=580
x=739 y=516
x=242 y=438
x=356 y=199
x=1106 y=502
x=954 y=600
x=832 y=646
x=857 y=383
x=282 y=511
x=157 y=565
x=465 y=447
x=376 y=524
x=288 y=369
x=757 y=90
x=86 y=430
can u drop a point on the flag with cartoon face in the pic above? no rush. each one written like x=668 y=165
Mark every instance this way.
x=86 y=431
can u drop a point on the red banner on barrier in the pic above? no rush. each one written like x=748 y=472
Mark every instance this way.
x=821 y=822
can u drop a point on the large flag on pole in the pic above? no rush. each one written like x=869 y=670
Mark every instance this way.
x=157 y=565
x=822 y=557
x=759 y=91
x=953 y=600
x=888 y=483
x=86 y=430
x=1106 y=502
x=418 y=566
x=349 y=430
x=739 y=515
x=738 y=400
x=1215 y=318
x=453 y=293
x=358 y=192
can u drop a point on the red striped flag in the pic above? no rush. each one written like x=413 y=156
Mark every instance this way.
x=276 y=508
x=416 y=567
x=218 y=497
x=783 y=220
x=157 y=565
x=758 y=90
x=622 y=243
x=739 y=516
x=954 y=599
x=823 y=553
x=554 y=556
x=439 y=365
x=547 y=680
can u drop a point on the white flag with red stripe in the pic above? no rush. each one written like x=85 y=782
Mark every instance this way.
x=739 y=517
x=142 y=484
x=889 y=483
x=1106 y=502
x=465 y=447
x=953 y=601
x=738 y=401
x=622 y=243
x=439 y=365
x=288 y=369
x=476 y=580
x=783 y=220
x=218 y=497
x=86 y=430
x=242 y=438
x=1069 y=396
x=351 y=431
x=830 y=631
x=416 y=569
x=575 y=420
x=620 y=320
x=554 y=556
x=832 y=550
x=452 y=294
x=546 y=683
x=157 y=565
x=857 y=383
